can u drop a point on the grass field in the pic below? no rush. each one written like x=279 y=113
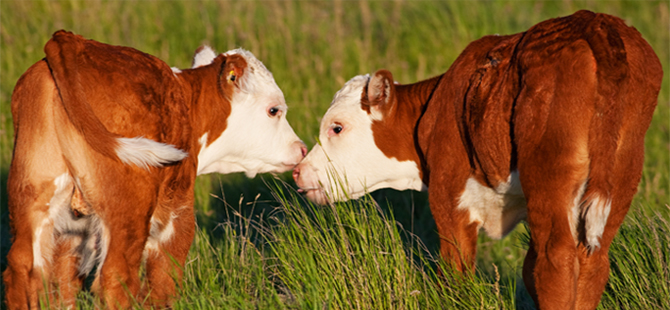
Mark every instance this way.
x=261 y=246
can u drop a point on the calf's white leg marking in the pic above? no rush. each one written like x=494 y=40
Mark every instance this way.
x=43 y=242
x=496 y=210
x=595 y=212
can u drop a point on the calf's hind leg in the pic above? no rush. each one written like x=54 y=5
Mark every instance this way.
x=166 y=255
x=594 y=267
x=125 y=219
x=553 y=168
x=19 y=276
x=551 y=266
x=31 y=256
x=458 y=234
x=66 y=271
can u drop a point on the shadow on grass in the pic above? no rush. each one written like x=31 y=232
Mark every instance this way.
x=235 y=199
x=235 y=196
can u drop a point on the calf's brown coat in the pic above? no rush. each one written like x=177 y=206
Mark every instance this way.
x=69 y=110
x=566 y=104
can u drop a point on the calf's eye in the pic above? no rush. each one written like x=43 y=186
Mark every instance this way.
x=273 y=111
x=335 y=129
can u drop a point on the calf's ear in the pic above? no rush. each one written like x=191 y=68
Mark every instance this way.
x=204 y=55
x=233 y=68
x=381 y=97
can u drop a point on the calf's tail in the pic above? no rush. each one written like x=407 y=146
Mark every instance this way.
x=612 y=71
x=62 y=57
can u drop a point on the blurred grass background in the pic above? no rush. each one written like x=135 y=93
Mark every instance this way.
x=312 y=48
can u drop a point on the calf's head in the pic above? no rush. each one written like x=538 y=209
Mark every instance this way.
x=352 y=155
x=257 y=137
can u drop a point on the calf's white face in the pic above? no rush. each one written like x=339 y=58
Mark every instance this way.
x=258 y=138
x=347 y=162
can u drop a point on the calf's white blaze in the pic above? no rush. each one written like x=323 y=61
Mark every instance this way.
x=253 y=141
x=349 y=164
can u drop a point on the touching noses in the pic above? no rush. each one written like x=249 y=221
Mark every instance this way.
x=299 y=145
x=296 y=173
x=303 y=148
x=296 y=169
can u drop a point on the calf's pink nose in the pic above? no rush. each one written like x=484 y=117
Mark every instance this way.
x=296 y=174
x=301 y=146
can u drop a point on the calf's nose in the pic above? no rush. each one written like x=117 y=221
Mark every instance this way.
x=296 y=174
x=299 y=145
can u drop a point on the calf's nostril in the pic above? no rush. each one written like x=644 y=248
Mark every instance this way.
x=296 y=174
x=304 y=151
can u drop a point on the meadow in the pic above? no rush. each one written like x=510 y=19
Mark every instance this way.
x=259 y=244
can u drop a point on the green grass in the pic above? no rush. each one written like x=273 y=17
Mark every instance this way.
x=355 y=255
x=640 y=263
x=263 y=248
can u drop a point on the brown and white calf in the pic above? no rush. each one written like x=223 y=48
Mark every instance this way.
x=546 y=125
x=109 y=141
